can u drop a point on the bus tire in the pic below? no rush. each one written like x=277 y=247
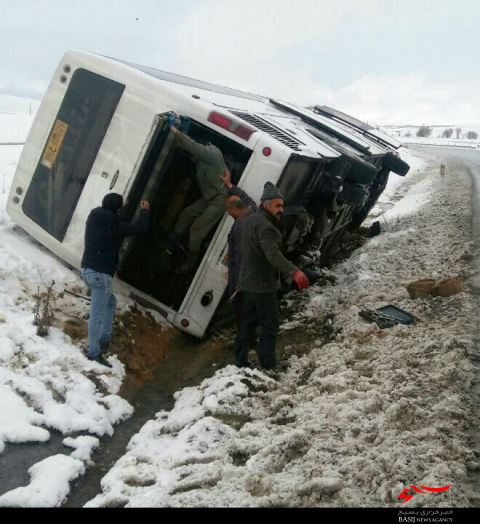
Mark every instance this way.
x=396 y=164
x=375 y=191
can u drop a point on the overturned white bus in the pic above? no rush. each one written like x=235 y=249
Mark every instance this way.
x=102 y=126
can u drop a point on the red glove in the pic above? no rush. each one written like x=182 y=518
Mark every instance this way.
x=300 y=279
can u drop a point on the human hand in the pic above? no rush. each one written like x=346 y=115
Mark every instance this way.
x=172 y=117
x=144 y=204
x=184 y=124
x=300 y=279
x=226 y=178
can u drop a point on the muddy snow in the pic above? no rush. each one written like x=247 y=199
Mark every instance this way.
x=357 y=420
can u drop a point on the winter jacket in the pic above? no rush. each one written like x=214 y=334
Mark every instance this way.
x=104 y=234
x=234 y=239
x=262 y=258
x=209 y=168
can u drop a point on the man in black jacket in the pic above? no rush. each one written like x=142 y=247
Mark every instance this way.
x=104 y=233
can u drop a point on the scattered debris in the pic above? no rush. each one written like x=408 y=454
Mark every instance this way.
x=399 y=314
x=383 y=321
x=428 y=286
x=387 y=316
x=43 y=311
x=420 y=288
x=375 y=229
x=448 y=287
x=88 y=299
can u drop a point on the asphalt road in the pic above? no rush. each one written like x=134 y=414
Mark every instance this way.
x=468 y=161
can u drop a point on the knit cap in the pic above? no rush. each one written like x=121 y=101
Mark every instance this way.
x=270 y=192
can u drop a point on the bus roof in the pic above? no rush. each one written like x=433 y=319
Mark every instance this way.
x=192 y=82
x=290 y=122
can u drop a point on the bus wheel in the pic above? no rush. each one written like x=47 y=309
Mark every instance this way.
x=395 y=164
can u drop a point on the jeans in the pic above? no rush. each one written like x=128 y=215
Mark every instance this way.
x=102 y=310
x=259 y=309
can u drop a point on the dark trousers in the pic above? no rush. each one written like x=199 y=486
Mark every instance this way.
x=238 y=303
x=239 y=307
x=258 y=309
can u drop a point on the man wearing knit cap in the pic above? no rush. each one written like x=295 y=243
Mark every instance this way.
x=262 y=265
x=104 y=233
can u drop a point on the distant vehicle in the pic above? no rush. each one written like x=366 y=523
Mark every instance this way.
x=102 y=126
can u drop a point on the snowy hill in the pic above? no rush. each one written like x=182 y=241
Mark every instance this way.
x=437 y=131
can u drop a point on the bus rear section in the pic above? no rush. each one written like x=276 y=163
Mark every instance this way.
x=57 y=159
x=89 y=139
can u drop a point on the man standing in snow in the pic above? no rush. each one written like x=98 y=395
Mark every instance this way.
x=262 y=265
x=104 y=233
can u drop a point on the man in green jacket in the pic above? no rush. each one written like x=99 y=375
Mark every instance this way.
x=205 y=212
x=259 y=278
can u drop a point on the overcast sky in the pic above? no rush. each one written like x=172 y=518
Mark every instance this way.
x=384 y=61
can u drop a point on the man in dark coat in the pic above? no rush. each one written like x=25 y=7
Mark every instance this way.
x=239 y=206
x=104 y=233
x=259 y=278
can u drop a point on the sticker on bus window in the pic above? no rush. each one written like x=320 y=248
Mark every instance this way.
x=54 y=143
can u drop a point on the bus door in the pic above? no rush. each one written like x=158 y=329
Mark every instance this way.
x=167 y=179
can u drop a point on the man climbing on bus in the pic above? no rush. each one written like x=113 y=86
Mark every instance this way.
x=200 y=217
x=104 y=233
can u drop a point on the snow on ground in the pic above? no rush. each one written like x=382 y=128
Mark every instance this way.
x=49 y=484
x=416 y=164
x=84 y=447
x=45 y=383
x=14 y=127
x=357 y=420
x=391 y=205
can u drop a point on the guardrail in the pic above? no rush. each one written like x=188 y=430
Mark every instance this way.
x=451 y=145
x=12 y=143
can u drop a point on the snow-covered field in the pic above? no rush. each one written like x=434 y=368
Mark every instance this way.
x=437 y=131
x=408 y=136
x=45 y=383
x=352 y=423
